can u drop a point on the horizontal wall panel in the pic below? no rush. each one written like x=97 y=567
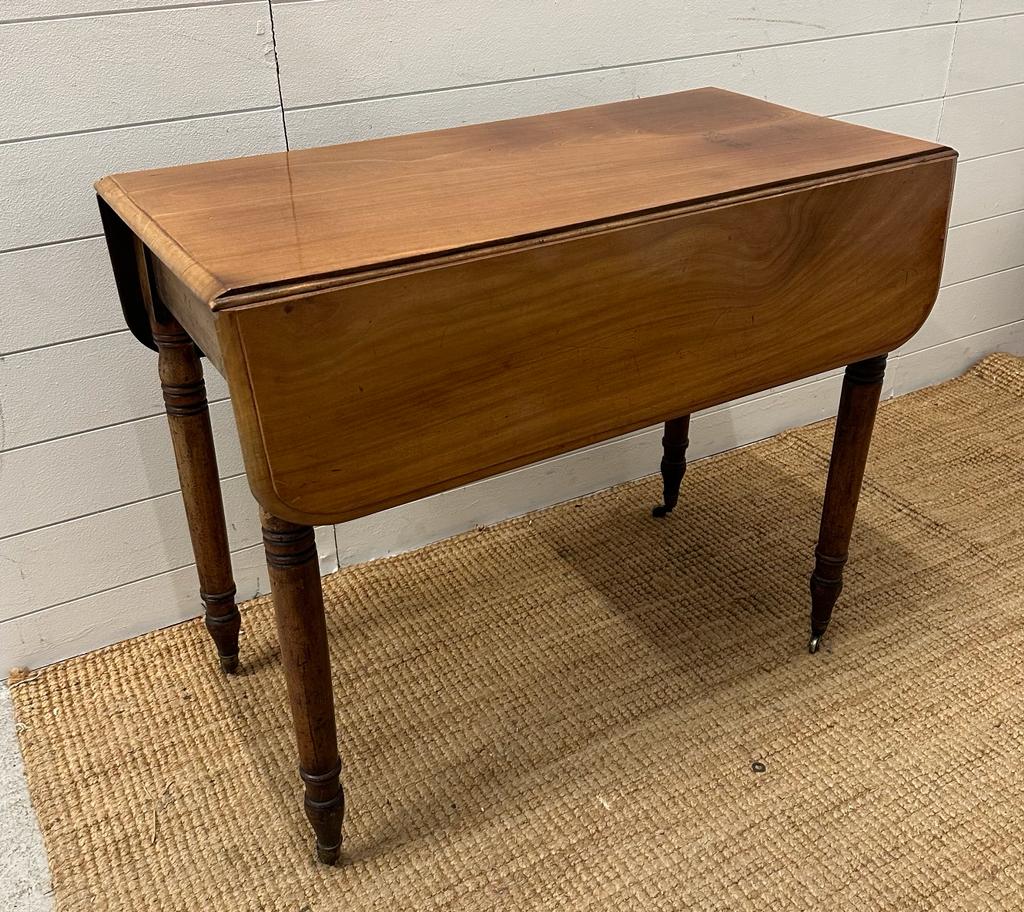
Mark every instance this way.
x=135 y=67
x=62 y=479
x=987 y=53
x=920 y=119
x=438 y=110
x=941 y=362
x=847 y=74
x=98 y=620
x=979 y=9
x=980 y=248
x=111 y=549
x=15 y=10
x=984 y=123
x=988 y=186
x=824 y=77
x=342 y=49
x=972 y=307
x=56 y=293
x=94 y=621
x=48 y=182
x=74 y=387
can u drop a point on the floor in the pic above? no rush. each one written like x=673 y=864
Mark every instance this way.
x=24 y=876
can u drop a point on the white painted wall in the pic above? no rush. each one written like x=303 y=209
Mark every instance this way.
x=93 y=546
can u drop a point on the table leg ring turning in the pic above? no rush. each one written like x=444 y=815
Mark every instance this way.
x=673 y=462
x=302 y=632
x=862 y=387
x=223 y=623
x=188 y=418
x=325 y=813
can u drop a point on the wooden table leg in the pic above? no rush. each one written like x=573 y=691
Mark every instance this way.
x=302 y=630
x=858 y=404
x=188 y=415
x=673 y=462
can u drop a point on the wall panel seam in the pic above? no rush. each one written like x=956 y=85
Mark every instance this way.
x=38 y=244
x=107 y=128
x=902 y=104
x=888 y=107
x=630 y=64
x=995 y=88
x=962 y=338
x=992 y=155
x=69 y=341
x=985 y=275
x=141 y=579
x=99 y=427
x=985 y=218
x=95 y=14
x=990 y=18
x=90 y=513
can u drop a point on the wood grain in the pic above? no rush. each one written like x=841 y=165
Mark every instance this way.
x=270 y=221
x=302 y=633
x=188 y=419
x=862 y=386
x=368 y=396
x=190 y=310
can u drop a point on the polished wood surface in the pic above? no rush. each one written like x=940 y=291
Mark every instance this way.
x=268 y=221
x=363 y=397
x=302 y=632
x=191 y=311
x=188 y=418
x=862 y=387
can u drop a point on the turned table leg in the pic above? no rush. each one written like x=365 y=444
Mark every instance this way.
x=673 y=462
x=858 y=404
x=302 y=631
x=181 y=377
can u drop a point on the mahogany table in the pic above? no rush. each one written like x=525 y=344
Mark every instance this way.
x=401 y=316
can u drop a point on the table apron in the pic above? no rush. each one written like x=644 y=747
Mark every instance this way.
x=370 y=395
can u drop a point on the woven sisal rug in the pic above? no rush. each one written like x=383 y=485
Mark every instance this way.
x=564 y=711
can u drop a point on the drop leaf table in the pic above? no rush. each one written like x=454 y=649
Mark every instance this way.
x=400 y=316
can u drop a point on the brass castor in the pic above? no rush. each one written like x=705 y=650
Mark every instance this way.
x=224 y=624
x=328 y=855
x=229 y=664
x=673 y=463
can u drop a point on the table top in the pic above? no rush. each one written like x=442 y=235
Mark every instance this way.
x=268 y=223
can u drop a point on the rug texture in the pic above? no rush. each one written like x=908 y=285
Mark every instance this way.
x=569 y=710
